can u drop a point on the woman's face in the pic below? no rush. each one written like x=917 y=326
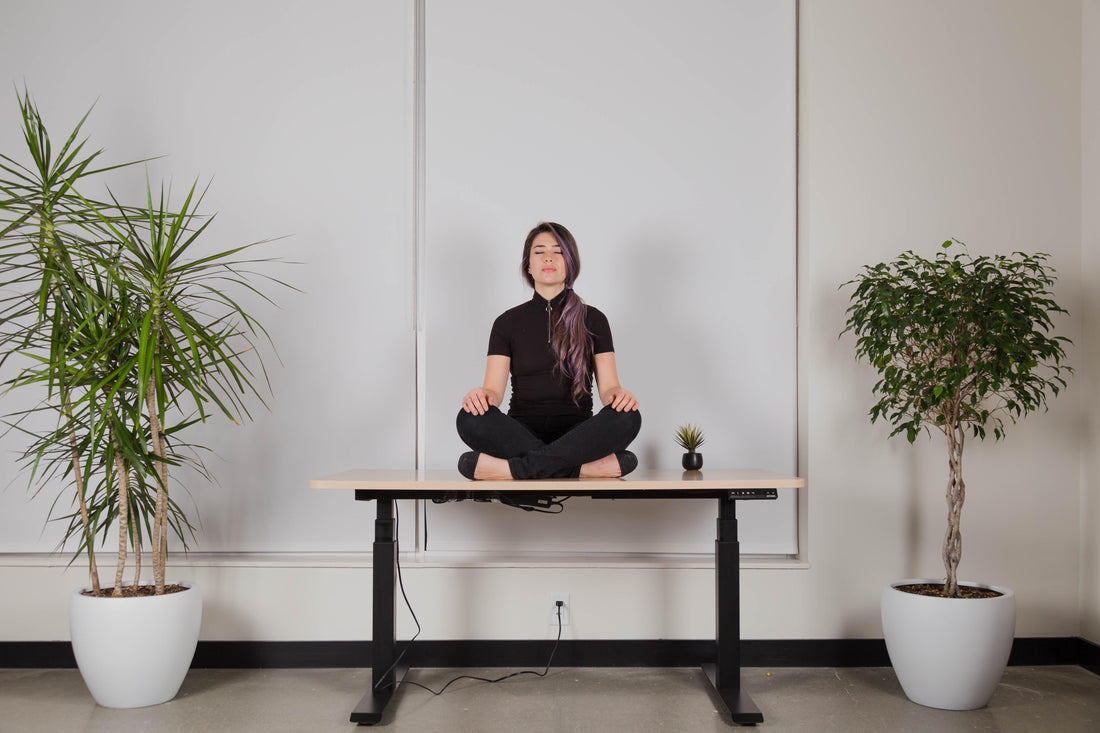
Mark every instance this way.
x=547 y=263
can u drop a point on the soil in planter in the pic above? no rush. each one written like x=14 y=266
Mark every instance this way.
x=129 y=591
x=936 y=589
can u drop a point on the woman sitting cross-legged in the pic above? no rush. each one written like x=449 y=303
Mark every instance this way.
x=552 y=345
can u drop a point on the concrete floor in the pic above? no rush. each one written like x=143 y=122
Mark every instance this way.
x=853 y=700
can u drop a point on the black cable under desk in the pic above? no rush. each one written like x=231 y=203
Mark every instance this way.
x=727 y=486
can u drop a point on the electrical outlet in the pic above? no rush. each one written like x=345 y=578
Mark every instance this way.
x=554 y=598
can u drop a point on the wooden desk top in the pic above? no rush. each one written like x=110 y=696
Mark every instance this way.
x=663 y=481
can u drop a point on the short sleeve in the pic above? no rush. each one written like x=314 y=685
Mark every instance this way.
x=601 y=331
x=499 y=343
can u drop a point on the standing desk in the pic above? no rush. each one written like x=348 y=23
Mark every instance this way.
x=728 y=486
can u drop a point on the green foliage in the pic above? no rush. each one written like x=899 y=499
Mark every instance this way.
x=958 y=341
x=689 y=437
x=130 y=337
x=47 y=300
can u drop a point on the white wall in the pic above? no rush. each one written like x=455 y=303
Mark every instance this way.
x=665 y=140
x=284 y=109
x=918 y=121
x=1089 y=374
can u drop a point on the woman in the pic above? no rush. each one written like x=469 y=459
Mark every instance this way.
x=552 y=345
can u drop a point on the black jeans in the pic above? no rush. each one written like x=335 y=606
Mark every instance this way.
x=548 y=447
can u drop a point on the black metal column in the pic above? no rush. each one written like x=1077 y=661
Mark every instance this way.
x=384 y=675
x=725 y=674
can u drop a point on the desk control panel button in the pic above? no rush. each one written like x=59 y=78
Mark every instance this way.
x=742 y=494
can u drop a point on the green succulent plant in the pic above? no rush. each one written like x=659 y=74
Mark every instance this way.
x=689 y=437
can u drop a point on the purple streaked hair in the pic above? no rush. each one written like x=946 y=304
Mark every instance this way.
x=570 y=339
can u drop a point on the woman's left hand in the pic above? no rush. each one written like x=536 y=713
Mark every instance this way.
x=622 y=400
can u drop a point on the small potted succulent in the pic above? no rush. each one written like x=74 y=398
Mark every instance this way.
x=690 y=437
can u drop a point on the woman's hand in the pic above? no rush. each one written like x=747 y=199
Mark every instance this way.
x=478 y=401
x=607 y=382
x=622 y=400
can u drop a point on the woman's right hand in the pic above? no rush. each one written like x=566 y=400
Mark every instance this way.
x=478 y=401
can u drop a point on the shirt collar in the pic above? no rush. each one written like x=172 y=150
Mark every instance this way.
x=555 y=302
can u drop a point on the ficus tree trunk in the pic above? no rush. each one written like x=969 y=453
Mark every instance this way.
x=956 y=494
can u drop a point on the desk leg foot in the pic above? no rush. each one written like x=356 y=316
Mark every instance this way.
x=742 y=709
x=370 y=708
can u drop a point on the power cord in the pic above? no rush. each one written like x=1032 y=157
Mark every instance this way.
x=540 y=505
x=543 y=673
x=401 y=584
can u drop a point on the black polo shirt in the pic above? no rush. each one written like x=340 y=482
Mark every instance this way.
x=523 y=334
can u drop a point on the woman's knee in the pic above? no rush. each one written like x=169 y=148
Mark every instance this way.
x=465 y=422
x=629 y=422
x=469 y=424
x=633 y=420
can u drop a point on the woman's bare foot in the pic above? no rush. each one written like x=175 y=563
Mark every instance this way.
x=606 y=467
x=492 y=469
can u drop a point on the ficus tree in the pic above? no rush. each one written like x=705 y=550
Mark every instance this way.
x=960 y=343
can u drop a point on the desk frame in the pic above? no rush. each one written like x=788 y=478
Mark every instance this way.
x=724 y=674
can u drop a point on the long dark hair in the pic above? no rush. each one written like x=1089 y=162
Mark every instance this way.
x=570 y=338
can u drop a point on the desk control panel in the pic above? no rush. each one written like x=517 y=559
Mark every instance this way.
x=742 y=494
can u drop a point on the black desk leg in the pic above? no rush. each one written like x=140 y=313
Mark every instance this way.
x=384 y=646
x=725 y=674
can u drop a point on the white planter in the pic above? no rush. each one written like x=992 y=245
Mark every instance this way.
x=134 y=652
x=948 y=653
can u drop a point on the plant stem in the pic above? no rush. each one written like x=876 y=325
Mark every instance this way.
x=78 y=477
x=122 y=476
x=160 y=515
x=49 y=245
x=956 y=494
x=136 y=542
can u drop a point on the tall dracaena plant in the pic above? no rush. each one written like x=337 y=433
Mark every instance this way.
x=135 y=336
x=42 y=258
x=960 y=342
x=107 y=413
x=102 y=423
x=193 y=345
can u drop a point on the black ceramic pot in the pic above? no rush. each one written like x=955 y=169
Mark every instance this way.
x=692 y=461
